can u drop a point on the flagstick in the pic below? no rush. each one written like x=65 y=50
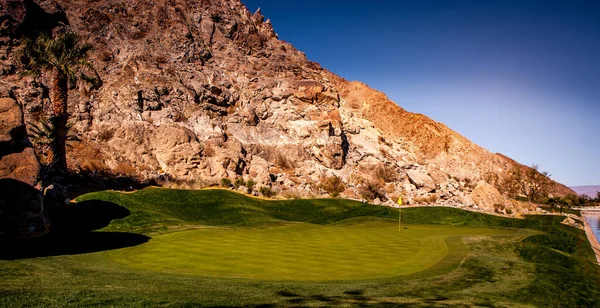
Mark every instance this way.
x=399 y=213
x=399 y=218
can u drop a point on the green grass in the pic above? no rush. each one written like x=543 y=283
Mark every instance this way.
x=218 y=248
x=300 y=251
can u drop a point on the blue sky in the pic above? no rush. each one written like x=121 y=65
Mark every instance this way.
x=517 y=77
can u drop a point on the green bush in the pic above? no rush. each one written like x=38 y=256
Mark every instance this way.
x=238 y=183
x=225 y=182
x=250 y=184
x=267 y=192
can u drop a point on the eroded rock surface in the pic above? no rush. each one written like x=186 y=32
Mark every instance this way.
x=195 y=91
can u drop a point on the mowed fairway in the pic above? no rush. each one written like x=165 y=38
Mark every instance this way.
x=184 y=248
x=300 y=251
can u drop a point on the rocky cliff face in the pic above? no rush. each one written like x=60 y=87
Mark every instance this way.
x=196 y=91
x=22 y=211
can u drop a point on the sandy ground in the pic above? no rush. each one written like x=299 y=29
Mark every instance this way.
x=593 y=240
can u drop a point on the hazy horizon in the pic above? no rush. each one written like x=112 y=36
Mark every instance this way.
x=515 y=77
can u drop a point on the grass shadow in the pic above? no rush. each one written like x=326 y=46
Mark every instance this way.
x=351 y=298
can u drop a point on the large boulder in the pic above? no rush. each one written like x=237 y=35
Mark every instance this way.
x=421 y=180
x=487 y=197
x=22 y=212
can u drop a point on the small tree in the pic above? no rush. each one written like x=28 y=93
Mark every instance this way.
x=509 y=184
x=531 y=183
x=64 y=57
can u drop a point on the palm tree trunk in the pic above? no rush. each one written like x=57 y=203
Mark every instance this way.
x=59 y=119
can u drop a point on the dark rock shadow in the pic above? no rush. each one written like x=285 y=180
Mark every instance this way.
x=21 y=211
x=85 y=216
x=72 y=233
x=63 y=244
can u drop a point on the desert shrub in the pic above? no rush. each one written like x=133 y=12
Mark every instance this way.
x=161 y=59
x=386 y=173
x=418 y=200
x=125 y=169
x=332 y=185
x=178 y=116
x=250 y=184
x=93 y=166
x=267 y=153
x=209 y=150
x=139 y=34
x=283 y=163
x=144 y=167
x=85 y=156
x=390 y=189
x=239 y=182
x=426 y=199
x=291 y=194
x=384 y=141
x=267 y=192
x=395 y=196
x=469 y=182
x=106 y=56
x=521 y=198
x=372 y=190
x=225 y=182
x=274 y=154
x=106 y=135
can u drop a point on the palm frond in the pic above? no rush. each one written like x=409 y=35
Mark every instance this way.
x=64 y=52
x=41 y=132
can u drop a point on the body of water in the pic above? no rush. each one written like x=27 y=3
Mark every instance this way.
x=593 y=218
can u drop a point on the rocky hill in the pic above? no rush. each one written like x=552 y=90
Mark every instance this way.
x=196 y=91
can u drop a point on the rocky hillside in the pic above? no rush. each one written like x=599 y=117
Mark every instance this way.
x=196 y=91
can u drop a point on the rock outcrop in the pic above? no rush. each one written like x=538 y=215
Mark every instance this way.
x=22 y=212
x=195 y=91
x=488 y=198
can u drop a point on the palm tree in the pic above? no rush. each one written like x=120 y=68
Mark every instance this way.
x=64 y=57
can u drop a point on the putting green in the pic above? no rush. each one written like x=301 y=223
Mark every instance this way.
x=301 y=251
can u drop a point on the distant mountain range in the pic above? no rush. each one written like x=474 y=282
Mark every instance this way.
x=591 y=190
